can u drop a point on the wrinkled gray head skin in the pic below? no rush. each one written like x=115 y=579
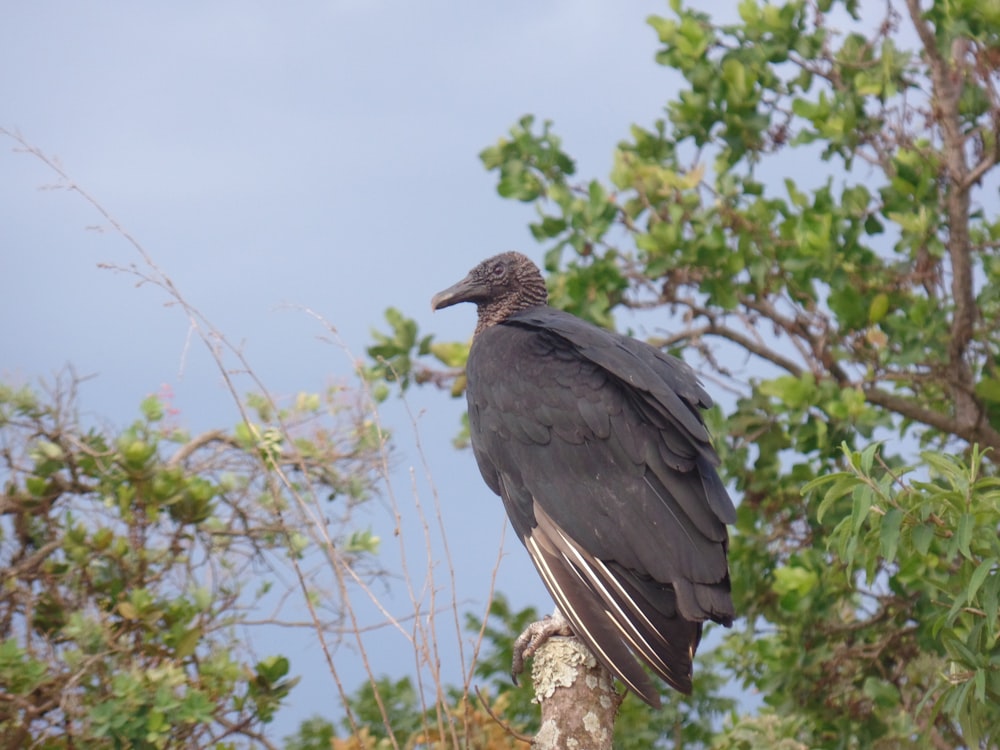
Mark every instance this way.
x=499 y=286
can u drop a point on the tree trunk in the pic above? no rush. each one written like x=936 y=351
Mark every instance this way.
x=577 y=697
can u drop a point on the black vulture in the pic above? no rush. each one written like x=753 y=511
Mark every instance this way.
x=596 y=445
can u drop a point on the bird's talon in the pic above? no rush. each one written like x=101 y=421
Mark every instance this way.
x=526 y=644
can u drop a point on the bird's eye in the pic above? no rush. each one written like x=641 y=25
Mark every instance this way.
x=499 y=270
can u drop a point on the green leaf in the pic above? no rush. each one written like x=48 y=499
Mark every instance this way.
x=272 y=668
x=988 y=389
x=550 y=226
x=980 y=682
x=966 y=527
x=49 y=451
x=862 y=504
x=979 y=575
x=451 y=354
x=843 y=484
x=795 y=392
x=878 y=308
x=152 y=408
x=922 y=536
x=186 y=644
x=868 y=458
x=991 y=602
x=889 y=533
x=960 y=650
x=881 y=692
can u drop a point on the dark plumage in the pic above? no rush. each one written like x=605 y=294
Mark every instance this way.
x=595 y=442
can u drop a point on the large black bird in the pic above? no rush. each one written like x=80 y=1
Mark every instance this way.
x=595 y=442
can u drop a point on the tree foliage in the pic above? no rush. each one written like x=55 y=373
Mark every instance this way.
x=134 y=560
x=815 y=224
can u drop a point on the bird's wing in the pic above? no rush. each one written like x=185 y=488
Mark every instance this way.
x=624 y=473
x=666 y=391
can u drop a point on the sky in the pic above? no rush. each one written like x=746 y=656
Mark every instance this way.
x=273 y=157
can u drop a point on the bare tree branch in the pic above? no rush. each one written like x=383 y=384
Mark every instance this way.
x=981 y=433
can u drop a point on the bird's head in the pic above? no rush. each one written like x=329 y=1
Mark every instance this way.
x=499 y=286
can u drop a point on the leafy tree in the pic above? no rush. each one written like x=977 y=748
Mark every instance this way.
x=126 y=557
x=817 y=215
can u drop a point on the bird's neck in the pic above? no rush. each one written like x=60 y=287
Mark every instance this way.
x=497 y=311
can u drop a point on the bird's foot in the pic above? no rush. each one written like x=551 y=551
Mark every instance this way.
x=534 y=636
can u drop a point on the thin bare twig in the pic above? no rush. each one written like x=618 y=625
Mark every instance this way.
x=519 y=736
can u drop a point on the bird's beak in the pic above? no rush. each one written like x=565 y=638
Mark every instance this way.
x=467 y=290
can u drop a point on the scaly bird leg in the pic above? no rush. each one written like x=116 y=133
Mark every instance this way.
x=534 y=636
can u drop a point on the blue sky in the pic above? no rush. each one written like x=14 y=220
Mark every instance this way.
x=323 y=154
x=271 y=156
